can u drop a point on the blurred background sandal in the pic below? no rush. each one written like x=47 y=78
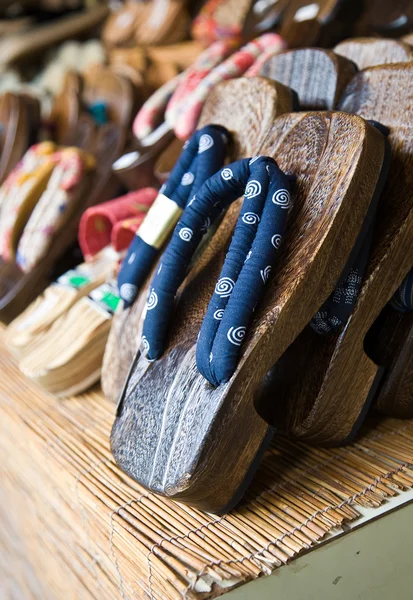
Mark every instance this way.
x=174 y=432
x=67 y=360
x=18 y=290
x=24 y=333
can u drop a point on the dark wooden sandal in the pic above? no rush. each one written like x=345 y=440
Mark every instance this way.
x=369 y=52
x=20 y=119
x=318 y=76
x=174 y=432
x=329 y=400
x=18 y=289
x=259 y=102
x=322 y=23
x=389 y=19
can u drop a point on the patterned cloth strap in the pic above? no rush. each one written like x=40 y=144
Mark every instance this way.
x=402 y=300
x=336 y=310
x=247 y=266
x=202 y=156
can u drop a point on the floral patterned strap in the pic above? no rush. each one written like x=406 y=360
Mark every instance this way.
x=234 y=66
x=55 y=205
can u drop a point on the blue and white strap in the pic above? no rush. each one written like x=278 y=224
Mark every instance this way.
x=252 y=253
x=202 y=156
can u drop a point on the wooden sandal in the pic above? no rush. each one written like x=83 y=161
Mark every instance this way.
x=369 y=52
x=318 y=76
x=176 y=434
x=259 y=102
x=322 y=23
x=329 y=400
x=389 y=19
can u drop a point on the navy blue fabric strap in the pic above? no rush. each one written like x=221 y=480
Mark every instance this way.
x=402 y=300
x=247 y=266
x=202 y=156
x=336 y=311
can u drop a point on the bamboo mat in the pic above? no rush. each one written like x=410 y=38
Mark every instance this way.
x=74 y=526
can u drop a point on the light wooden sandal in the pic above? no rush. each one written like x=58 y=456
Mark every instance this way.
x=67 y=358
x=174 y=433
x=259 y=101
x=18 y=290
x=24 y=333
x=318 y=76
x=369 y=52
x=328 y=401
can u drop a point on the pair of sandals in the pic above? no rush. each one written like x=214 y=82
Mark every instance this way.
x=18 y=288
x=93 y=113
x=180 y=436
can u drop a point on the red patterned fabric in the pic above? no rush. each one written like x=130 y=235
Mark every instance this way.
x=207 y=29
x=234 y=66
x=168 y=100
x=97 y=223
x=124 y=232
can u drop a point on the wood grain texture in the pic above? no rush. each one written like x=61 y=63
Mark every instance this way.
x=369 y=52
x=318 y=76
x=247 y=107
x=18 y=290
x=326 y=403
x=176 y=434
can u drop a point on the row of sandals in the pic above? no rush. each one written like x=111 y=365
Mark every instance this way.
x=294 y=289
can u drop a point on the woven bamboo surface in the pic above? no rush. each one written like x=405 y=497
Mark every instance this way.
x=74 y=526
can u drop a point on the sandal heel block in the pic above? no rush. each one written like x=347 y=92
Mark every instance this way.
x=174 y=432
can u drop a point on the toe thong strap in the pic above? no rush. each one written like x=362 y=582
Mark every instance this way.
x=202 y=156
x=257 y=237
